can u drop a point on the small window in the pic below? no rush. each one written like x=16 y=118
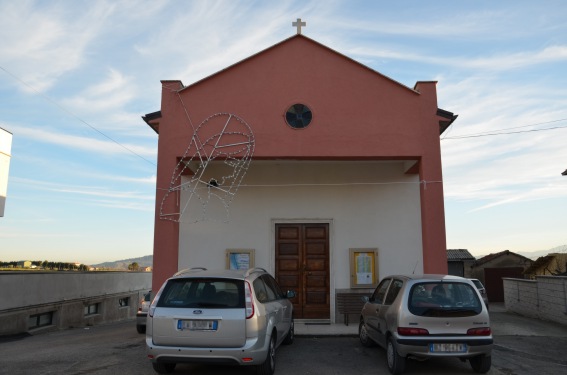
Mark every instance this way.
x=92 y=309
x=298 y=116
x=263 y=293
x=393 y=292
x=380 y=292
x=273 y=284
x=40 y=320
x=124 y=302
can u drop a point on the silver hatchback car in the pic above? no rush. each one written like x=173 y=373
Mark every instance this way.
x=219 y=317
x=427 y=316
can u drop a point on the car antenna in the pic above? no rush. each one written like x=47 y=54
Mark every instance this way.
x=417 y=261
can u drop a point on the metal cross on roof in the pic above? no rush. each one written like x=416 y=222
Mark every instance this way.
x=298 y=24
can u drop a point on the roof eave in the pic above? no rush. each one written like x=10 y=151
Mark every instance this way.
x=152 y=119
x=448 y=119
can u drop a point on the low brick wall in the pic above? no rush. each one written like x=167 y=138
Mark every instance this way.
x=544 y=298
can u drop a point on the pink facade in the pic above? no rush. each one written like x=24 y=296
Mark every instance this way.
x=358 y=114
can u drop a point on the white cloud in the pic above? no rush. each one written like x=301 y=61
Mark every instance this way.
x=497 y=62
x=94 y=195
x=41 y=43
x=110 y=95
x=89 y=144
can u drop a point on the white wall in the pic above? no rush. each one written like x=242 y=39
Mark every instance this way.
x=5 y=155
x=23 y=289
x=64 y=295
x=544 y=298
x=367 y=204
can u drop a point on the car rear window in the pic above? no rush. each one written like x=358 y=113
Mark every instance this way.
x=203 y=292
x=444 y=299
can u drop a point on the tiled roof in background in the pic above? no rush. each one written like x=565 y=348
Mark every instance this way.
x=459 y=254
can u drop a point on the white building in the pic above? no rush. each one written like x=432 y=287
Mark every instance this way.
x=5 y=155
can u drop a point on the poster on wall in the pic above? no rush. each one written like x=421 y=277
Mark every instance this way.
x=239 y=259
x=363 y=268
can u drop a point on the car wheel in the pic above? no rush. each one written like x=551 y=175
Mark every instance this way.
x=396 y=363
x=141 y=328
x=481 y=363
x=269 y=365
x=164 y=368
x=363 y=335
x=290 y=335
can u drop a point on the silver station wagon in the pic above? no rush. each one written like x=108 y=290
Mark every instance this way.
x=219 y=317
x=427 y=316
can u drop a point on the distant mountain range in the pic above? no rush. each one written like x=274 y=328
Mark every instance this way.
x=145 y=261
x=533 y=255
x=148 y=260
x=536 y=254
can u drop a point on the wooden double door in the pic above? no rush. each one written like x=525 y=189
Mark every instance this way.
x=302 y=265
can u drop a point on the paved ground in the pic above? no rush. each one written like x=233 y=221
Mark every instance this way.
x=522 y=346
x=528 y=346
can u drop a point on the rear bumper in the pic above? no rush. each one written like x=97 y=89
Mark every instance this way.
x=254 y=352
x=420 y=346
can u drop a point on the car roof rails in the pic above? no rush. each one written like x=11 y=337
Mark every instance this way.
x=189 y=270
x=253 y=270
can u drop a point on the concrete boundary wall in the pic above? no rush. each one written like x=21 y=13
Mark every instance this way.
x=35 y=302
x=544 y=298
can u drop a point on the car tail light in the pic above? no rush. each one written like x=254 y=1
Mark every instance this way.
x=484 y=331
x=151 y=310
x=154 y=302
x=248 y=299
x=410 y=331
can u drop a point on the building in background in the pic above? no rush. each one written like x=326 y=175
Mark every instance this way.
x=460 y=262
x=554 y=264
x=5 y=156
x=491 y=268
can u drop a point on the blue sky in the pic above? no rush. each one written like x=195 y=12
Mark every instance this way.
x=76 y=77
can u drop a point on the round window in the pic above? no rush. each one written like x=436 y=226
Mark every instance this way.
x=298 y=116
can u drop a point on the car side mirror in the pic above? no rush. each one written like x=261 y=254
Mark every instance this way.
x=365 y=298
x=290 y=294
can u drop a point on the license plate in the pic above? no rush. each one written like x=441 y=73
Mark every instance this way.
x=197 y=325
x=448 y=348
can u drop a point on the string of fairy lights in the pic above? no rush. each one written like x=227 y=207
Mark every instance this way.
x=233 y=146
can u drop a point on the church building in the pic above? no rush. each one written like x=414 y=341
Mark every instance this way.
x=306 y=163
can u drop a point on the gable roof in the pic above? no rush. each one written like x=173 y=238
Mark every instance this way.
x=445 y=118
x=459 y=255
x=544 y=261
x=540 y=262
x=289 y=40
x=489 y=257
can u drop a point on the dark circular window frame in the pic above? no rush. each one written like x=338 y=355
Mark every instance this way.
x=298 y=116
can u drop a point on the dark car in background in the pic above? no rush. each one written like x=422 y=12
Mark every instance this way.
x=481 y=289
x=142 y=313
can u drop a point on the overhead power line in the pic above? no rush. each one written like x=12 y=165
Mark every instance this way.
x=504 y=131
x=74 y=115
